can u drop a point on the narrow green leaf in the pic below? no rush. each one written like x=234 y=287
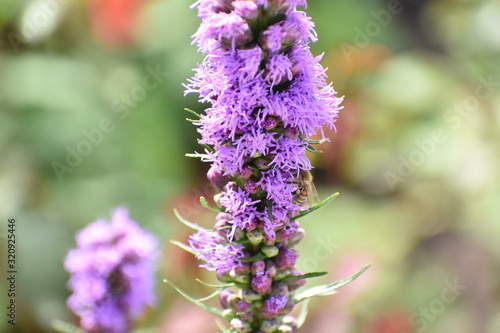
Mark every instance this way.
x=221 y=325
x=64 y=327
x=270 y=210
x=311 y=209
x=209 y=308
x=304 y=276
x=192 y=112
x=186 y=222
x=304 y=311
x=256 y=257
x=221 y=286
x=219 y=229
x=197 y=155
x=215 y=293
x=315 y=142
x=313 y=150
x=185 y=247
x=205 y=204
x=327 y=289
x=193 y=121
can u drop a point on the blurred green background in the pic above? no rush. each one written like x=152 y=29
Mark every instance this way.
x=91 y=117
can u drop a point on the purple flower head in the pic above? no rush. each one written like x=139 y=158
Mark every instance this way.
x=212 y=249
x=266 y=96
x=111 y=273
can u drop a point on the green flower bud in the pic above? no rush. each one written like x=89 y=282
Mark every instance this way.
x=240 y=326
x=255 y=236
x=269 y=326
x=270 y=251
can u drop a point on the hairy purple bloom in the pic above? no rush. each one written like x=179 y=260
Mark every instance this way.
x=111 y=273
x=266 y=95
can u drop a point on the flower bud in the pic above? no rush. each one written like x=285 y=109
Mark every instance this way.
x=297 y=237
x=261 y=164
x=262 y=284
x=286 y=329
x=269 y=123
x=223 y=276
x=243 y=268
x=246 y=172
x=243 y=310
x=285 y=233
x=240 y=278
x=269 y=326
x=226 y=297
x=251 y=186
x=216 y=176
x=270 y=237
x=273 y=305
x=258 y=267
x=294 y=285
x=250 y=296
x=246 y=9
x=240 y=326
x=271 y=269
x=270 y=251
x=280 y=288
x=286 y=259
x=255 y=236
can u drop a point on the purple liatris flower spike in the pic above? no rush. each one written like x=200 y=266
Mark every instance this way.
x=266 y=96
x=111 y=274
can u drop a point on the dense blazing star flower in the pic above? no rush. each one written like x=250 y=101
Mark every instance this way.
x=111 y=274
x=266 y=95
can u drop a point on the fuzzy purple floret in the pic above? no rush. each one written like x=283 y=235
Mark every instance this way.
x=111 y=273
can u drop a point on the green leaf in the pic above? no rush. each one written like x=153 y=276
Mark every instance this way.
x=313 y=150
x=270 y=210
x=315 y=142
x=304 y=311
x=304 y=276
x=256 y=257
x=187 y=223
x=192 y=112
x=64 y=327
x=185 y=247
x=205 y=204
x=327 y=289
x=221 y=325
x=193 y=121
x=215 y=293
x=221 y=286
x=311 y=209
x=197 y=155
x=209 y=308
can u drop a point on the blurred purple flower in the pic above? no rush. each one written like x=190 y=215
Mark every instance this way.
x=111 y=273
